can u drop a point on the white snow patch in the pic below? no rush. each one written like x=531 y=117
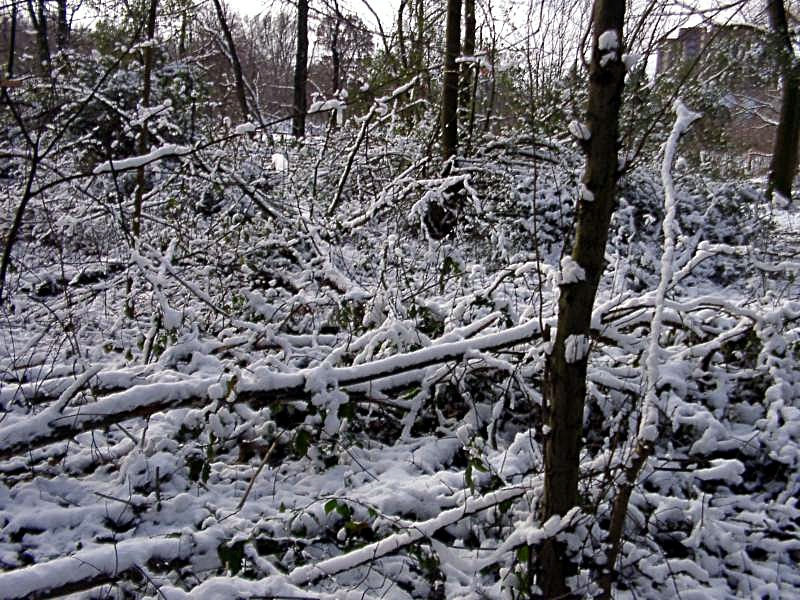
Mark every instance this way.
x=280 y=163
x=135 y=162
x=571 y=271
x=608 y=41
x=579 y=130
x=244 y=128
x=576 y=347
x=630 y=60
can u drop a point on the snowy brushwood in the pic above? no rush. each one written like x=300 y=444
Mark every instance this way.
x=264 y=386
x=648 y=427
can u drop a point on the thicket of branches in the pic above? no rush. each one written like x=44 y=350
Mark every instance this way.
x=234 y=364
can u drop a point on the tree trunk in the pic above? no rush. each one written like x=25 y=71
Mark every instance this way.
x=38 y=18
x=335 y=59
x=401 y=40
x=783 y=165
x=12 y=41
x=235 y=64
x=565 y=376
x=301 y=71
x=449 y=131
x=467 y=100
x=144 y=134
x=62 y=33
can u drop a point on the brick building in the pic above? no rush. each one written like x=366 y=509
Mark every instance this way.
x=734 y=72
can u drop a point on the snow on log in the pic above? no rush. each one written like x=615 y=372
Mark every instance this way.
x=89 y=568
x=263 y=387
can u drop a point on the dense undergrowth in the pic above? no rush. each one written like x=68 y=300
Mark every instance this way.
x=285 y=388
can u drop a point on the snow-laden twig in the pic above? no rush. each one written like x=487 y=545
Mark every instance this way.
x=648 y=428
x=310 y=573
x=89 y=568
x=648 y=425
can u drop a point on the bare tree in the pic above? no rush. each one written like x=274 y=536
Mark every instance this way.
x=301 y=71
x=62 y=29
x=469 y=76
x=38 y=18
x=12 y=41
x=144 y=140
x=785 y=153
x=565 y=375
x=233 y=56
x=449 y=123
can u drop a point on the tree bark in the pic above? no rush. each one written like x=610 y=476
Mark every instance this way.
x=144 y=134
x=12 y=41
x=468 y=70
x=449 y=125
x=301 y=71
x=783 y=165
x=62 y=32
x=335 y=58
x=235 y=64
x=38 y=18
x=565 y=376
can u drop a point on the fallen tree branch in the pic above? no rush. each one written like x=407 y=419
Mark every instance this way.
x=310 y=573
x=89 y=568
x=262 y=388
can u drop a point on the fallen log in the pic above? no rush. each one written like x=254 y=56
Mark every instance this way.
x=261 y=388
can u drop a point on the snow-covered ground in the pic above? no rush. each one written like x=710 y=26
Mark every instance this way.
x=339 y=407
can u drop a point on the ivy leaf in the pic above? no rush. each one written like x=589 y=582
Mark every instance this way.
x=302 y=442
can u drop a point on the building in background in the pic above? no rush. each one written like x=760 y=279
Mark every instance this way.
x=730 y=72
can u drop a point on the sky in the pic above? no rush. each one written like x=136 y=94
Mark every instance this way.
x=385 y=8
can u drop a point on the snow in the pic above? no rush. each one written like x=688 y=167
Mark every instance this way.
x=244 y=128
x=134 y=162
x=648 y=429
x=571 y=271
x=280 y=162
x=576 y=348
x=356 y=410
x=579 y=131
x=608 y=41
x=630 y=60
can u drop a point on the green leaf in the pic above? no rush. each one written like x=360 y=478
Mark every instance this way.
x=468 y=477
x=232 y=556
x=302 y=442
x=331 y=505
x=344 y=510
x=523 y=554
x=479 y=466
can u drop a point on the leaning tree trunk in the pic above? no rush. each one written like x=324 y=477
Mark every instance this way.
x=565 y=376
x=234 y=57
x=301 y=71
x=783 y=165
